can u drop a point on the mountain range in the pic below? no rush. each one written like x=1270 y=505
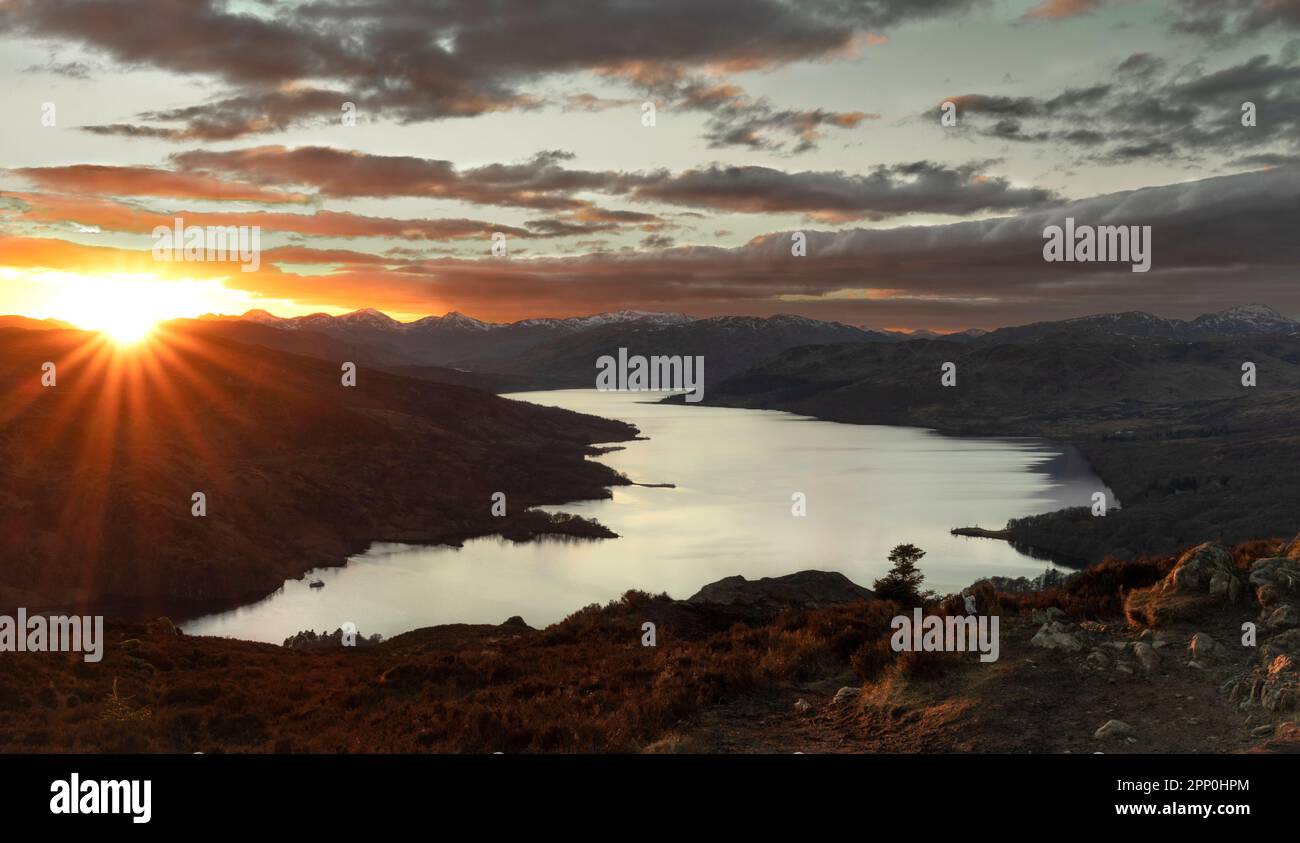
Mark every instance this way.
x=561 y=353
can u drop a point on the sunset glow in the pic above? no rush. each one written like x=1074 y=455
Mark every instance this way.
x=123 y=307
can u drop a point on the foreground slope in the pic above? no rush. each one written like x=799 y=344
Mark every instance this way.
x=796 y=663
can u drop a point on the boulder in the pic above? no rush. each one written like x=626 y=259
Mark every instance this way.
x=1115 y=729
x=1196 y=570
x=1276 y=579
x=1203 y=579
x=846 y=694
x=1057 y=636
x=1282 y=644
x=1283 y=617
x=1146 y=656
x=1048 y=615
x=515 y=620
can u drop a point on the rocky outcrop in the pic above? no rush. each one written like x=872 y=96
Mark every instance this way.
x=1203 y=579
x=1273 y=683
x=309 y=640
x=804 y=590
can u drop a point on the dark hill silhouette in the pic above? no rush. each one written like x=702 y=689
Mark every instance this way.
x=299 y=471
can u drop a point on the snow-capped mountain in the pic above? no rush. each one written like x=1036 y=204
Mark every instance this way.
x=565 y=349
x=1245 y=319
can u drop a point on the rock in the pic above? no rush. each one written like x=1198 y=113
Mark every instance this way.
x=515 y=620
x=1202 y=646
x=1119 y=646
x=1051 y=613
x=1146 y=656
x=806 y=590
x=1203 y=579
x=802 y=706
x=131 y=644
x=1282 y=644
x=1098 y=660
x=1261 y=731
x=1274 y=684
x=1224 y=586
x=1115 y=729
x=845 y=694
x=309 y=640
x=1163 y=639
x=1195 y=570
x=1124 y=667
x=1056 y=636
x=1275 y=579
x=1284 y=617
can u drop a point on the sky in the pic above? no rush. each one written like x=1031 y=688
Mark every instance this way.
x=655 y=156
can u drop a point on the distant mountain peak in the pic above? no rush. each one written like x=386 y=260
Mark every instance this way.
x=457 y=319
x=369 y=317
x=1251 y=312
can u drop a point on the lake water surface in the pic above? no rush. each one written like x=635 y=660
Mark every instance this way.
x=867 y=488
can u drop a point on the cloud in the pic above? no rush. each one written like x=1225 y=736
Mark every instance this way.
x=1215 y=242
x=284 y=64
x=149 y=181
x=920 y=187
x=1150 y=113
x=60 y=209
x=1234 y=18
x=302 y=174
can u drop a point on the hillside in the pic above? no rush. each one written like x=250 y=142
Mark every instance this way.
x=535 y=353
x=97 y=473
x=1191 y=453
x=794 y=664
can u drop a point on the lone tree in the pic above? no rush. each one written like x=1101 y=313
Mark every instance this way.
x=903 y=582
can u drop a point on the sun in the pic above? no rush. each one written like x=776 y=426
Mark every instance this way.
x=128 y=328
x=126 y=308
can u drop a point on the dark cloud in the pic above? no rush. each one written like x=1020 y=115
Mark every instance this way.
x=276 y=173
x=921 y=187
x=413 y=62
x=1215 y=243
x=1149 y=113
x=70 y=69
x=1231 y=18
